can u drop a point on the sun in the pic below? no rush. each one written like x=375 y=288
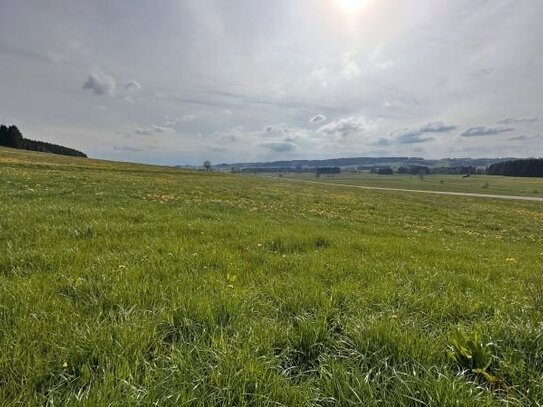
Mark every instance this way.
x=352 y=6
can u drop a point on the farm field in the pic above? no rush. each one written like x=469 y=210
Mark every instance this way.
x=125 y=284
x=479 y=184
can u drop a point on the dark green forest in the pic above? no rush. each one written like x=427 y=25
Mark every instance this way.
x=532 y=167
x=10 y=136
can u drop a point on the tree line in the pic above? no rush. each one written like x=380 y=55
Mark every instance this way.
x=12 y=137
x=531 y=167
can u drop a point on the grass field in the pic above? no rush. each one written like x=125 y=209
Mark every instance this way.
x=479 y=184
x=126 y=284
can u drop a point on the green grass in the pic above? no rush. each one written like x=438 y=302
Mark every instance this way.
x=479 y=184
x=125 y=284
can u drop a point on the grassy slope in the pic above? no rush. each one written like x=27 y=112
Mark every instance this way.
x=479 y=184
x=134 y=284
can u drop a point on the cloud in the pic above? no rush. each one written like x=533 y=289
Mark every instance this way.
x=100 y=84
x=172 y=122
x=437 y=127
x=103 y=84
x=186 y=118
x=513 y=120
x=226 y=138
x=24 y=53
x=132 y=86
x=280 y=147
x=317 y=118
x=320 y=76
x=273 y=138
x=382 y=141
x=417 y=134
x=350 y=67
x=413 y=138
x=376 y=61
x=276 y=129
x=485 y=131
x=128 y=148
x=384 y=65
x=148 y=131
x=522 y=137
x=344 y=127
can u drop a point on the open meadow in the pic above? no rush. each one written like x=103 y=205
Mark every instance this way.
x=125 y=284
x=478 y=184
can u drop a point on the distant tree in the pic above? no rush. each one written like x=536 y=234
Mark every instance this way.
x=12 y=137
x=417 y=169
x=207 y=165
x=422 y=174
x=3 y=135
x=327 y=170
x=532 y=167
x=385 y=171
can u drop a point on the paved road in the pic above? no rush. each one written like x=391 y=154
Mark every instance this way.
x=514 y=197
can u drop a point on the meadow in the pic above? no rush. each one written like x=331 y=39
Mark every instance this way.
x=125 y=284
x=478 y=184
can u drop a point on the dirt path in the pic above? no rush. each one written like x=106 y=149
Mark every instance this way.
x=513 y=197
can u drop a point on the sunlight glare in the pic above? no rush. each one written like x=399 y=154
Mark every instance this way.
x=352 y=6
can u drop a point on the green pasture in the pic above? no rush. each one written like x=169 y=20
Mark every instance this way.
x=479 y=184
x=124 y=284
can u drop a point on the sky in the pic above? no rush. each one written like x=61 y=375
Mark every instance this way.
x=180 y=82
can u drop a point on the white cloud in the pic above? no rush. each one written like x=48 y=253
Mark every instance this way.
x=131 y=149
x=320 y=76
x=132 y=86
x=281 y=147
x=172 y=122
x=100 y=84
x=350 y=67
x=186 y=118
x=514 y=120
x=376 y=61
x=271 y=67
x=103 y=84
x=523 y=137
x=419 y=134
x=485 y=131
x=154 y=129
x=384 y=65
x=344 y=127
